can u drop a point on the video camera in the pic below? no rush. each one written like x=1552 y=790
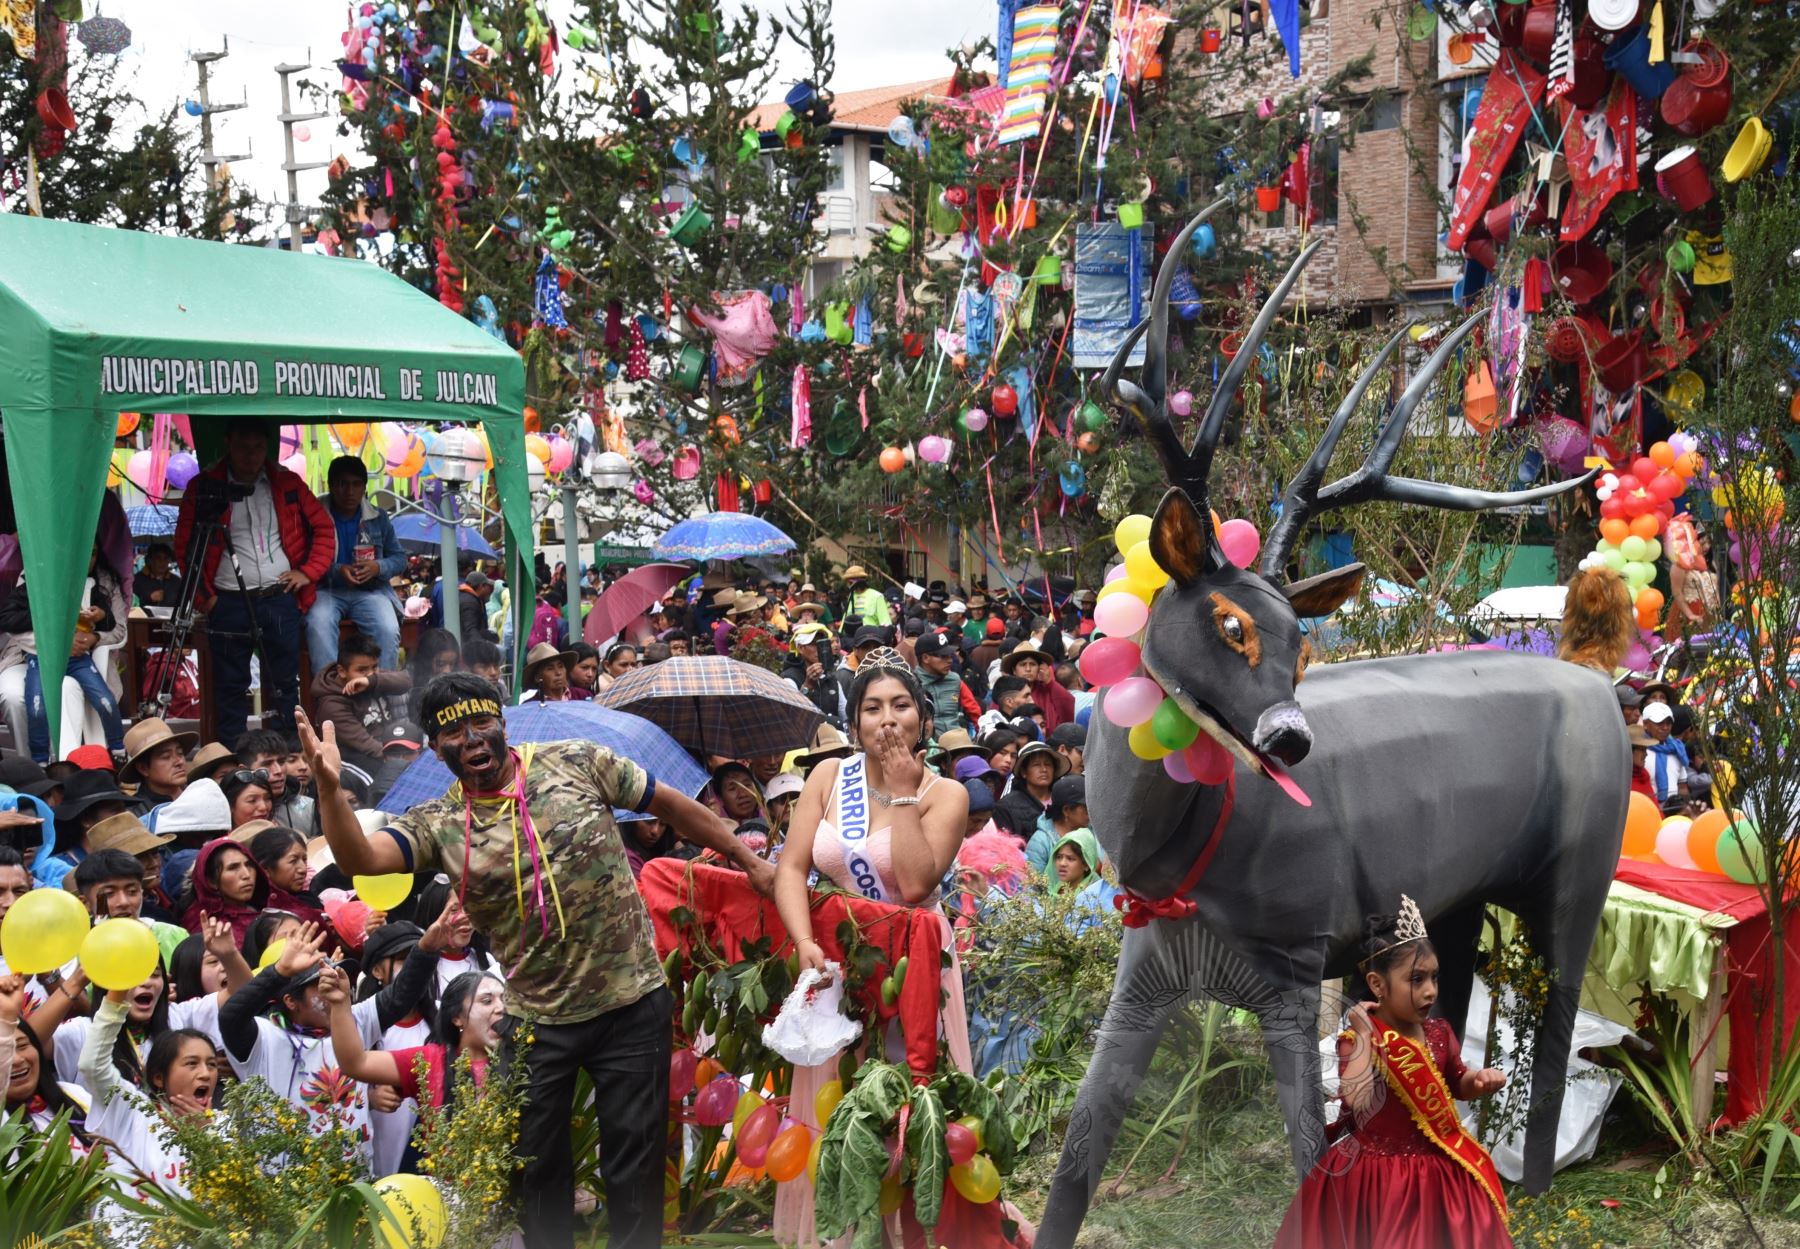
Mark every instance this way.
x=212 y=495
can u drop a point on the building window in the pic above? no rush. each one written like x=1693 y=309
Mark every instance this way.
x=834 y=172
x=1384 y=114
x=1324 y=189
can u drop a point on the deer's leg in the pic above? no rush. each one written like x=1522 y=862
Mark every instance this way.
x=1455 y=935
x=1150 y=986
x=1562 y=931
x=1290 y=1028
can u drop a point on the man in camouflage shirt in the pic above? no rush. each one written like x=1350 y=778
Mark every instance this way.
x=572 y=932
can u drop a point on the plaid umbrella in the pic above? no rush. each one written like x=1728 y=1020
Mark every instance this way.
x=152 y=520
x=631 y=736
x=713 y=705
x=721 y=535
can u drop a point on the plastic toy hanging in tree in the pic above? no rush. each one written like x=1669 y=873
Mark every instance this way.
x=1004 y=399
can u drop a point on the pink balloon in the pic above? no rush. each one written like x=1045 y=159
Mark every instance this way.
x=960 y=1143
x=682 y=1064
x=935 y=450
x=1176 y=766
x=290 y=441
x=1132 y=701
x=1181 y=402
x=1109 y=661
x=295 y=463
x=137 y=470
x=716 y=1102
x=1240 y=542
x=1207 y=760
x=562 y=453
x=1121 y=615
x=1671 y=843
x=1114 y=573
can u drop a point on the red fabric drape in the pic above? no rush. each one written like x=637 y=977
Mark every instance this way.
x=729 y=913
x=1749 y=970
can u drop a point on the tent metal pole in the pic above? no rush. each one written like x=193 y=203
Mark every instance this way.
x=447 y=569
x=571 y=519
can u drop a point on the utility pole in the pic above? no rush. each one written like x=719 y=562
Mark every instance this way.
x=296 y=212
x=207 y=108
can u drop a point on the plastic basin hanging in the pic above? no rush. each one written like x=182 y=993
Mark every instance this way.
x=691 y=226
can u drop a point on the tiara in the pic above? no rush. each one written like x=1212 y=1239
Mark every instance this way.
x=1409 y=926
x=885 y=657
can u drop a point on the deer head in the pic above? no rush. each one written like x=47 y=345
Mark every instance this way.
x=1225 y=642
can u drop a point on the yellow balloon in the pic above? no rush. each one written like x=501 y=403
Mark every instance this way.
x=1144 y=745
x=43 y=930
x=538 y=445
x=892 y=1194
x=812 y=1160
x=271 y=955
x=1119 y=585
x=977 y=1180
x=1131 y=531
x=1141 y=567
x=826 y=1099
x=419 y=1207
x=383 y=893
x=747 y=1105
x=119 y=954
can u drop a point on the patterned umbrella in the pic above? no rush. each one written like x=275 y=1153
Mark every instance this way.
x=631 y=736
x=721 y=535
x=713 y=705
x=152 y=520
x=104 y=36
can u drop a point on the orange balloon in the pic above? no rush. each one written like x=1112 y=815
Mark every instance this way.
x=1662 y=455
x=1615 y=529
x=1703 y=840
x=705 y=1070
x=1650 y=600
x=893 y=459
x=1642 y=819
x=1646 y=526
x=788 y=1153
x=1687 y=464
x=128 y=423
x=351 y=433
x=533 y=421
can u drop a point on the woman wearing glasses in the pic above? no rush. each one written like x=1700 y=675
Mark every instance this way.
x=250 y=794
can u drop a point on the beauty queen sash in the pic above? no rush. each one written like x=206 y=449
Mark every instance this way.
x=1415 y=1078
x=852 y=821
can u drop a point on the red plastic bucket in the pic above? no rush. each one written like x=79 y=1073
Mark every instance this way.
x=1211 y=39
x=1692 y=108
x=1681 y=176
x=1540 y=32
x=1582 y=270
x=1622 y=361
x=1268 y=199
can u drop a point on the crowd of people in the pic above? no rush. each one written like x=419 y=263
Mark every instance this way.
x=961 y=713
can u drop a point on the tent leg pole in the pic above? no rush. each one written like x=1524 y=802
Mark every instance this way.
x=447 y=569
x=571 y=518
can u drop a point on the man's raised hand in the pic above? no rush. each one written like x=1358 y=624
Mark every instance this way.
x=320 y=749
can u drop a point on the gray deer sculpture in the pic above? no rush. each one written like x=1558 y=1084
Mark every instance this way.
x=1460 y=779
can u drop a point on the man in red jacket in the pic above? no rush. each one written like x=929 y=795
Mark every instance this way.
x=283 y=541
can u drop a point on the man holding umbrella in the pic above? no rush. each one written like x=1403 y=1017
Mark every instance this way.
x=579 y=944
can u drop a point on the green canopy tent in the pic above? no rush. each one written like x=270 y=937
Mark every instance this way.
x=96 y=321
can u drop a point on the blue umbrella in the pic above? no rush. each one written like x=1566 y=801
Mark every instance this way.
x=418 y=533
x=152 y=520
x=632 y=737
x=721 y=535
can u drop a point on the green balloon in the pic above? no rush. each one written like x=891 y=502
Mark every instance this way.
x=1653 y=550
x=1740 y=852
x=1634 y=549
x=1172 y=728
x=1603 y=546
x=1615 y=560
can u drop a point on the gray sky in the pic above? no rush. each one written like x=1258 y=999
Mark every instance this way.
x=878 y=43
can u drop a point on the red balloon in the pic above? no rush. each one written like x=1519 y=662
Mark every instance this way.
x=1610 y=507
x=961 y=1143
x=1666 y=486
x=1627 y=483
x=713 y=1106
x=1637 y=503
x=681 y=1073
x=759 y=1132
x=1644 y=468
x=1004 y=400
x=1207 y=760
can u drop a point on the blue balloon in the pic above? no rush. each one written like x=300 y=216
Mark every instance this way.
x=1084 y=715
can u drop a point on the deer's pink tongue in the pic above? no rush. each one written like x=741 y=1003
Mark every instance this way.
x=1279 y=775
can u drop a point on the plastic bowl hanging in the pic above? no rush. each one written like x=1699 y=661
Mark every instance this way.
x=687 y=463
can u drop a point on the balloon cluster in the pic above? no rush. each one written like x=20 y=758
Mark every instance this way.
x=1158 y=727
x=1722 y=843
x=1636 y=507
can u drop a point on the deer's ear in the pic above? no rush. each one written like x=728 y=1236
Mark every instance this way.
x=1181 y=539
x=1325 y=593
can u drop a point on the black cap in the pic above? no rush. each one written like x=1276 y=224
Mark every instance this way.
x=933 y=644
x=20 y=772
x=1628 y=697
x=1070 y=791
x=396 y=937
x=868 y=637
x=1069 y=734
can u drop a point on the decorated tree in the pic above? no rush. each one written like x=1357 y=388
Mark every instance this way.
x=76 y=144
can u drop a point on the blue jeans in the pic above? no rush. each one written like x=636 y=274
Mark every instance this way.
x=372 y=611
x=278 y=617
x=93 y=686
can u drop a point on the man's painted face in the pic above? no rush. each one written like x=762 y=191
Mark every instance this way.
x=474 y=749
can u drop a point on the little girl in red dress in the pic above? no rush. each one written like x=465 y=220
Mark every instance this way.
x=1404 y=1174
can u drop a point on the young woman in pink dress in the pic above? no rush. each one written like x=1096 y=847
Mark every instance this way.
x=879 y=825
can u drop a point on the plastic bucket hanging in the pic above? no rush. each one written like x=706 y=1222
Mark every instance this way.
x=1131 y=215
x=1748 y=151
x=841 y=436
x=690 y=366
x=1048 y=271
x=691 y=226
x=1630 y=57
x=1692 y=110
x=1582 y=270
x=1622 y=361
x=687 y=464
x=1681 y=176
x=1268 y=199
x=1072 y=478
x=1211 y=39
x=1538 y=32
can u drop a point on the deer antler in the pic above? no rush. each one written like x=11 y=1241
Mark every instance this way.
x=1150 y=402
x=1305 y=498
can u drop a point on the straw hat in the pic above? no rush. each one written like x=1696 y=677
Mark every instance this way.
x=145 y=736
x=124 y=832
x=828 y=743
x=744 y=604
x=209 y=757
x=725 y=598
x=1035 y=750
x=1024 y=650
x=542 y=654
x=856 y=572
x=954 y=745
x=246 y=832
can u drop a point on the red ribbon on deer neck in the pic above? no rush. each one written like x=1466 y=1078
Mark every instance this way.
x=1135 y=910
